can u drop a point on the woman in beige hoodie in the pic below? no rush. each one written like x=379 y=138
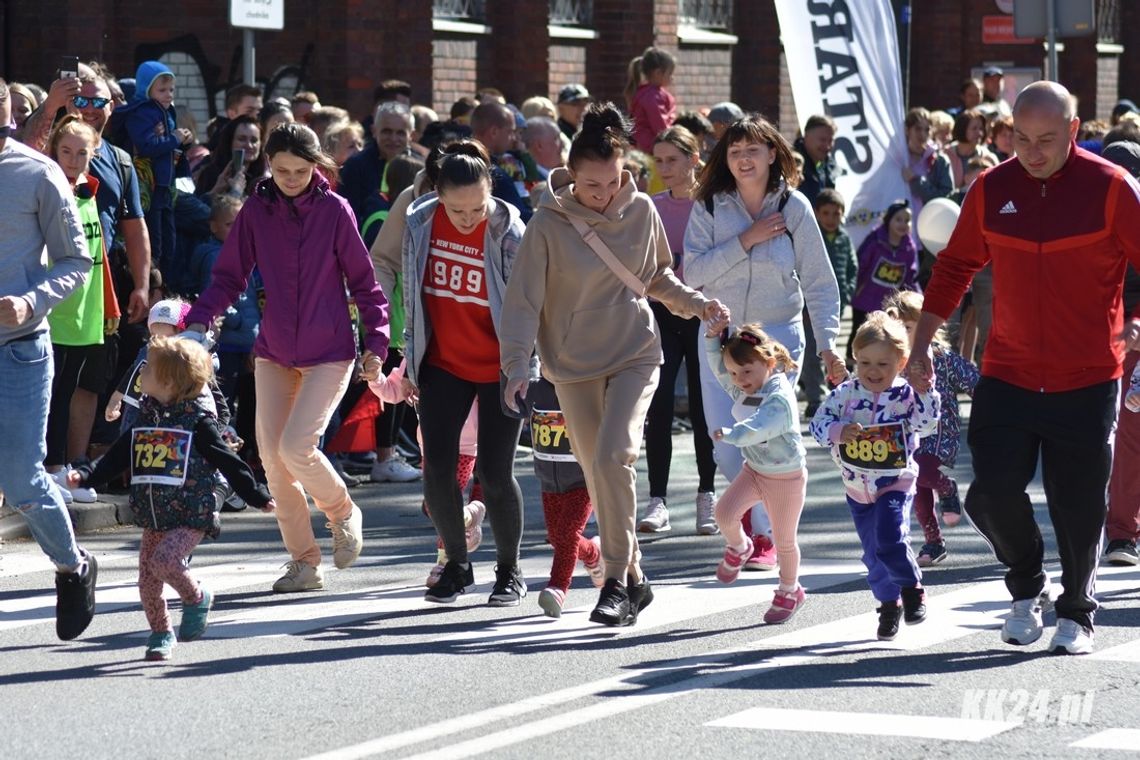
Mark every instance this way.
x=596 y=336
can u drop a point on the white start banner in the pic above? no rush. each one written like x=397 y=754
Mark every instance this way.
x=843 y=61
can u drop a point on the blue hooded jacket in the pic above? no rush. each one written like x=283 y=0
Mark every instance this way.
x=143 y=117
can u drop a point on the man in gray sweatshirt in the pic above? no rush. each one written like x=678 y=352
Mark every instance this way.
x=43 y=258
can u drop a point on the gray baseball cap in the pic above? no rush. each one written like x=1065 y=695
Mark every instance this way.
x=726 y=113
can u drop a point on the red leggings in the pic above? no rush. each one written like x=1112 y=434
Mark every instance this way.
x=931 y=480
x=566 y=515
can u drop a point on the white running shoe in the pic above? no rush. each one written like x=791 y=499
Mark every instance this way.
x=395 y=470
x=299 y=576
x=1023 y=626
x=60 y=479
x=656 y=518
x=706 y=510
x=1071 y=638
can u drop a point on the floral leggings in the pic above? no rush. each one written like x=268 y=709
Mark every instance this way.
x=162 y=559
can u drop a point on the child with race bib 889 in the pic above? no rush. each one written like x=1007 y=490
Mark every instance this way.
x=752 y=368
x=872 y=424
x=172 y=452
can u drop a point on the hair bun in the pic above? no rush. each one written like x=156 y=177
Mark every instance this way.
x=605 y=118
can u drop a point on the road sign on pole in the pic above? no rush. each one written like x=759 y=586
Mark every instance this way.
x=257 y=14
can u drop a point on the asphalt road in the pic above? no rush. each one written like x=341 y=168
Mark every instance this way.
x=367 y=668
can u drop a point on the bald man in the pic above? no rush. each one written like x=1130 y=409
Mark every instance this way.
x=1060 y=226
x=494 y=125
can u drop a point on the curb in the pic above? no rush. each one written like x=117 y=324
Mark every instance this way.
x=85 y=518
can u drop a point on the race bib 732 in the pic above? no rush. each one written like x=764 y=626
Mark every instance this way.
x=160 y=455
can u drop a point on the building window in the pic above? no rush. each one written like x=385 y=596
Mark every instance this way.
x=572 y=12
x=706 y=14
x=460 y=10
x=1108 y=21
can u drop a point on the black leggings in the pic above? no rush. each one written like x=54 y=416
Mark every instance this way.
x=680 y=341
x=389 y=421
x=74 y=365
x=445 y=401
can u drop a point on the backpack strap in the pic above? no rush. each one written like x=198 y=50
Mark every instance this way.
x=628 y=278
x=780 y=208
x=709 y=206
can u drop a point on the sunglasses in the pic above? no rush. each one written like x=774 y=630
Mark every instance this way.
x=82 y=101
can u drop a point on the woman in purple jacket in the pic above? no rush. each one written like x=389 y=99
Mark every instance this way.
x=888 y=263
x=302 y=238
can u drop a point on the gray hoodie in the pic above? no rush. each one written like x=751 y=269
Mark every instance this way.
x=38 y=212
x=770 y=282
x=504 y=232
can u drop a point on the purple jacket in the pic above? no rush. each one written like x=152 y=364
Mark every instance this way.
x=311 y=258
x=884 y=270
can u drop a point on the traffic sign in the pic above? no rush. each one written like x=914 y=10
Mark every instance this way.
x=257 y=14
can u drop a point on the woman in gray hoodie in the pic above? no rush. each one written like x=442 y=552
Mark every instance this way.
x=753 y=243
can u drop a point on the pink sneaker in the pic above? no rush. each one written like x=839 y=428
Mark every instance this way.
x=596 y=571
x=763 y=554
x=784 y=605
x=473 y=515
x=729 y=567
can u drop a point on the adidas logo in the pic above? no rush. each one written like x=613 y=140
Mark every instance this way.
x=1008 y=208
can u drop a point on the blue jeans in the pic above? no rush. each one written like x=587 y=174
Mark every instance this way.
x=25 y=375
x=883 y=527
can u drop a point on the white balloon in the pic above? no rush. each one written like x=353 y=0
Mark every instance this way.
x=935 y=223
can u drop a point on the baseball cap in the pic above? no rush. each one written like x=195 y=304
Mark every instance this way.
x=572 y=92
x=1125 y=154
x=1122 y=107
x=169 y=312
x=725 y=112
x=993 y=71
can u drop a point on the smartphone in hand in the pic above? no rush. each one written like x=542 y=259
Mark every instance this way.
x=69 y=67
x=237 y=161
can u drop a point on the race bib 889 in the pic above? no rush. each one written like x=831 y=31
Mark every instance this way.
x=879 y=447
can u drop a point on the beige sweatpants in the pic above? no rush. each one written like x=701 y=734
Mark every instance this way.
x=606 y=419
x=294 y=405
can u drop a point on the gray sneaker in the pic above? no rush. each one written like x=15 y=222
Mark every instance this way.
x=1071 y=638
x=706 y=510
x=299 y=576
x=656 y=518
x=347 y=538
x=1023 y=626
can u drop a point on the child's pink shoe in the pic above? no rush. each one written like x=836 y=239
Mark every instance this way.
x=597 y=571
x=784 y=605
x=473 y=515
x=729 y=567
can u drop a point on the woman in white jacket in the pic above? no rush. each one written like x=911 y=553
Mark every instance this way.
x=753 y=243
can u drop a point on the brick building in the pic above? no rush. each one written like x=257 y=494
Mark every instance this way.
x=727 y=49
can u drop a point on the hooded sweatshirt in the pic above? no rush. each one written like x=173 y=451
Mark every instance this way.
x=770 y=282
x=588 y=323
x=150 y=126
x=311 y=259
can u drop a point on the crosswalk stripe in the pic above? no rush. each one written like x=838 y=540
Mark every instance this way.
x=1126 y=739
x=866 y=724
x=953 y=615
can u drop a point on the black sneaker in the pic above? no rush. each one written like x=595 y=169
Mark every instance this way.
x=509 y=588
x=1122 y=552
x=640 y=595
x=914 y=605
x=889 y=615
x=453 y=581
x=613 y=606
x=75 y=599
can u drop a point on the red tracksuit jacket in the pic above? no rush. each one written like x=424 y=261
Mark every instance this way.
x=1059 y=249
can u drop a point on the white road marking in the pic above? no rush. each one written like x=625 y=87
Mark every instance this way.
x=866 y=724
x=1123 y=739
x=954 y=615
x=14 y=564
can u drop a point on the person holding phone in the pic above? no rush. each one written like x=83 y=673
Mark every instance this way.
x=459 y=250
x=238 y=164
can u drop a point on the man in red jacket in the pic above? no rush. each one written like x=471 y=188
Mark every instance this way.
x=1059 y=225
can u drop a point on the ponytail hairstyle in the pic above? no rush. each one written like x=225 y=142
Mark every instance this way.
x=717 y=178
x=906 y=306
x=653 y=59
x=881 y=327
x=751 y=344
x=458 y=164
x=302 y=142
x=604 y=134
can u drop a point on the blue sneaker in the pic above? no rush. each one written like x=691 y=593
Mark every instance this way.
x=195 y=617
x=160 y=645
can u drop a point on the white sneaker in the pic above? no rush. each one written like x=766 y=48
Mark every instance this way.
x=84 y=495
x=395 y=470
x=473 y=515
x=706 y=509
x=299 y=576
x=1023 y=626
x=347 y=538
x=1071 y=638
x=60 y=479
x=656 y=518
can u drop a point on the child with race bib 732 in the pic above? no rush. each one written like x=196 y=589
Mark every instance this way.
x=752 y=368
x=872 y=424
